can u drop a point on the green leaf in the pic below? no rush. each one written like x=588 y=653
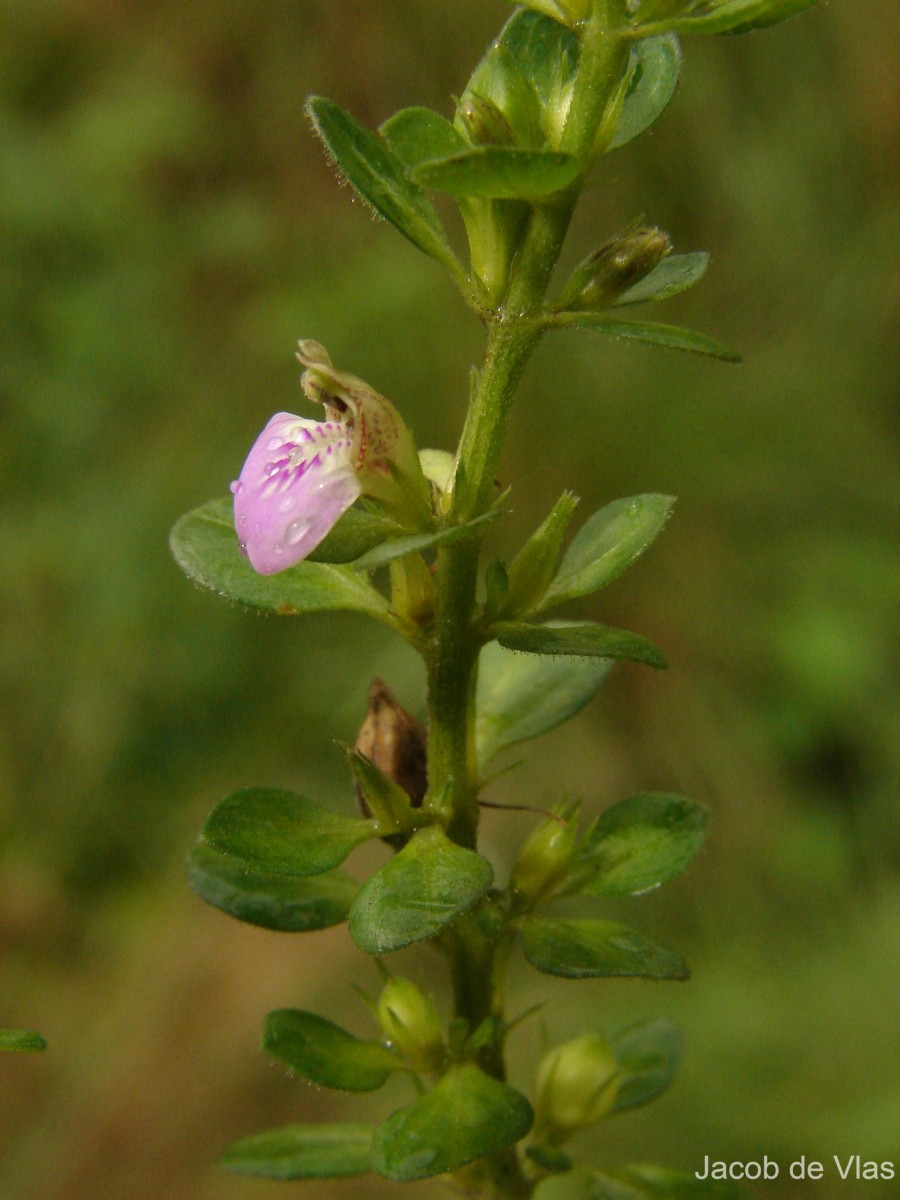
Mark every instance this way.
x=640 y=843
x=522 y=696
x=670 y=336
x=205 y=546
x=275 y=832
x=607 y=544
x=580 y=949
x=648 y=1054
x=654 y=67
x=735 y=16
x=380 y=178
x=425 y=887
x=356 y=532
x=467 y=1116
x=416 y=543
x=303 y=1152
x=323 y=1053
x=676 y=273
x=287 y=903
x=545 y=52
x=25 y=1040
x=660 y=1183
x=582 y=638
x=499 y=172
x=417 y=134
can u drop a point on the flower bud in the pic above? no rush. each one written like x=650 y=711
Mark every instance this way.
x=395 y=742
x=483 y=121
x=544 y=858
x=576 y=1085
x=618 y=265
x=410 y=1023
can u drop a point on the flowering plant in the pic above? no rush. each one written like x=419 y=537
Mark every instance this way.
x=344 y=513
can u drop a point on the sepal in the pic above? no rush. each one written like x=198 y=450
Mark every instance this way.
x=531 y=571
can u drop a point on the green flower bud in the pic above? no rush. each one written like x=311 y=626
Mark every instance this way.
x=545 y=857
x=618 y=265
x=410 y=1023
x=576 y=1085
x=484 y=123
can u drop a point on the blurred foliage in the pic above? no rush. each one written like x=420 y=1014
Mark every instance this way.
x=170 y=229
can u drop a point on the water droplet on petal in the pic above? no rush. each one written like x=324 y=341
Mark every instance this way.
x=242 y=546
x=235 y=486
x=279 y=549
x=296 y=531
x=287 y=504
x=274 y=443
x=271 y=469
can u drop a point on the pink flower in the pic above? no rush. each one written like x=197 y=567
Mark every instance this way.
x=302 y=474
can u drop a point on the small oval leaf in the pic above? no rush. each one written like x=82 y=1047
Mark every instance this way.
x=522 y=696
x=654 y=66
x=417 y=134
x=584 y=948
x=583 y=638
x=425 y=887
x=674 y=274
x=323 y=1053
x=606 y=545
x=467 y=1116
x=303 y=1152
x=287 y=903
x=205 y=546
x=648 y=1054
x=640 y=843
x=276 y=832
x=380 y=178
x=499 y=172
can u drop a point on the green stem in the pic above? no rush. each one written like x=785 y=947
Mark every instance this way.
x=478 y=963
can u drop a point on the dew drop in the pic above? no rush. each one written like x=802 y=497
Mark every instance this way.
x=287 y=504
x=274 y=443
x=242 y=546
x=296 y=531
x=235 y=486
x=270 y=469
x=279 y=549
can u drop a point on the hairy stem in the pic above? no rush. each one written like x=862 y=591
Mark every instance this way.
x=477 y=963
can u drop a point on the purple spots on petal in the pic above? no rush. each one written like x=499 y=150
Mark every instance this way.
x=286 y=502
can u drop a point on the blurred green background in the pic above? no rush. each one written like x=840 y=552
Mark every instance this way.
x=170 y=229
